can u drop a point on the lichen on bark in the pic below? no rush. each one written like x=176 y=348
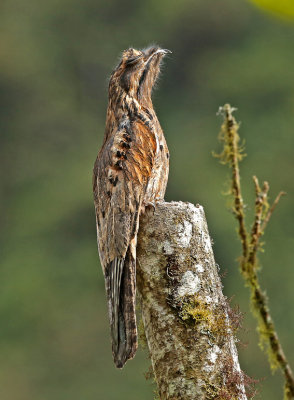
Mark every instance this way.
x=185 y=315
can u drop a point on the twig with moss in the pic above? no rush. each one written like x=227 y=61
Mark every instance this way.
x=233 y=153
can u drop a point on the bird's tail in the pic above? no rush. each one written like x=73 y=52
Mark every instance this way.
x=121 y=293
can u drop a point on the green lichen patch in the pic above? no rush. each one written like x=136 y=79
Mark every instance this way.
x=220 y=320
x=195 y=310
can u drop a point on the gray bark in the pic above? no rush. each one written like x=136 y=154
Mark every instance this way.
x=187 y=321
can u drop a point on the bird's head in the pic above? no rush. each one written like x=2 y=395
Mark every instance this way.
x=137 y=72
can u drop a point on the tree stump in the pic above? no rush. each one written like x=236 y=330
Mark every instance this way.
x=188 y=323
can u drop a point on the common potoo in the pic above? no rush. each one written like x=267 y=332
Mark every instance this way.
x=130 y=173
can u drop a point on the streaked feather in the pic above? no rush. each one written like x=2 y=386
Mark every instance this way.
x=131 y=168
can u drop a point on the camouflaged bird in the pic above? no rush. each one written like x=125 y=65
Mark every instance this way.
x=130 y=173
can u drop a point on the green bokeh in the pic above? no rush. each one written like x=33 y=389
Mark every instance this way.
x=55 y=60
x=283 y=8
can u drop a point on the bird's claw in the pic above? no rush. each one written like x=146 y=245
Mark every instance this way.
x=150 y=204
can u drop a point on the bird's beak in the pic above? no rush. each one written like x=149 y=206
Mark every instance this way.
x=164 y=51
x=159 y=51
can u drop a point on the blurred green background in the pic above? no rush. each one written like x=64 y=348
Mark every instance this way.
x=56 y=57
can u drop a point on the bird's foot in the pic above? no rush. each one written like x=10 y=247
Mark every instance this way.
x=149 y=205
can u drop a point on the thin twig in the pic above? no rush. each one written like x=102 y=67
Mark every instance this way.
x=231 y=155
x=271 y=210
x=256 y=231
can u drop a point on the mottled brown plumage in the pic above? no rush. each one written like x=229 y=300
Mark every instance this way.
x=130 y=173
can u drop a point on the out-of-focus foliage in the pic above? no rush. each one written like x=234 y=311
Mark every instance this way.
x=55 y=59
x=281 y=7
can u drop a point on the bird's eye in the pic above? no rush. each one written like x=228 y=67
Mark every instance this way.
x=132 y=61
